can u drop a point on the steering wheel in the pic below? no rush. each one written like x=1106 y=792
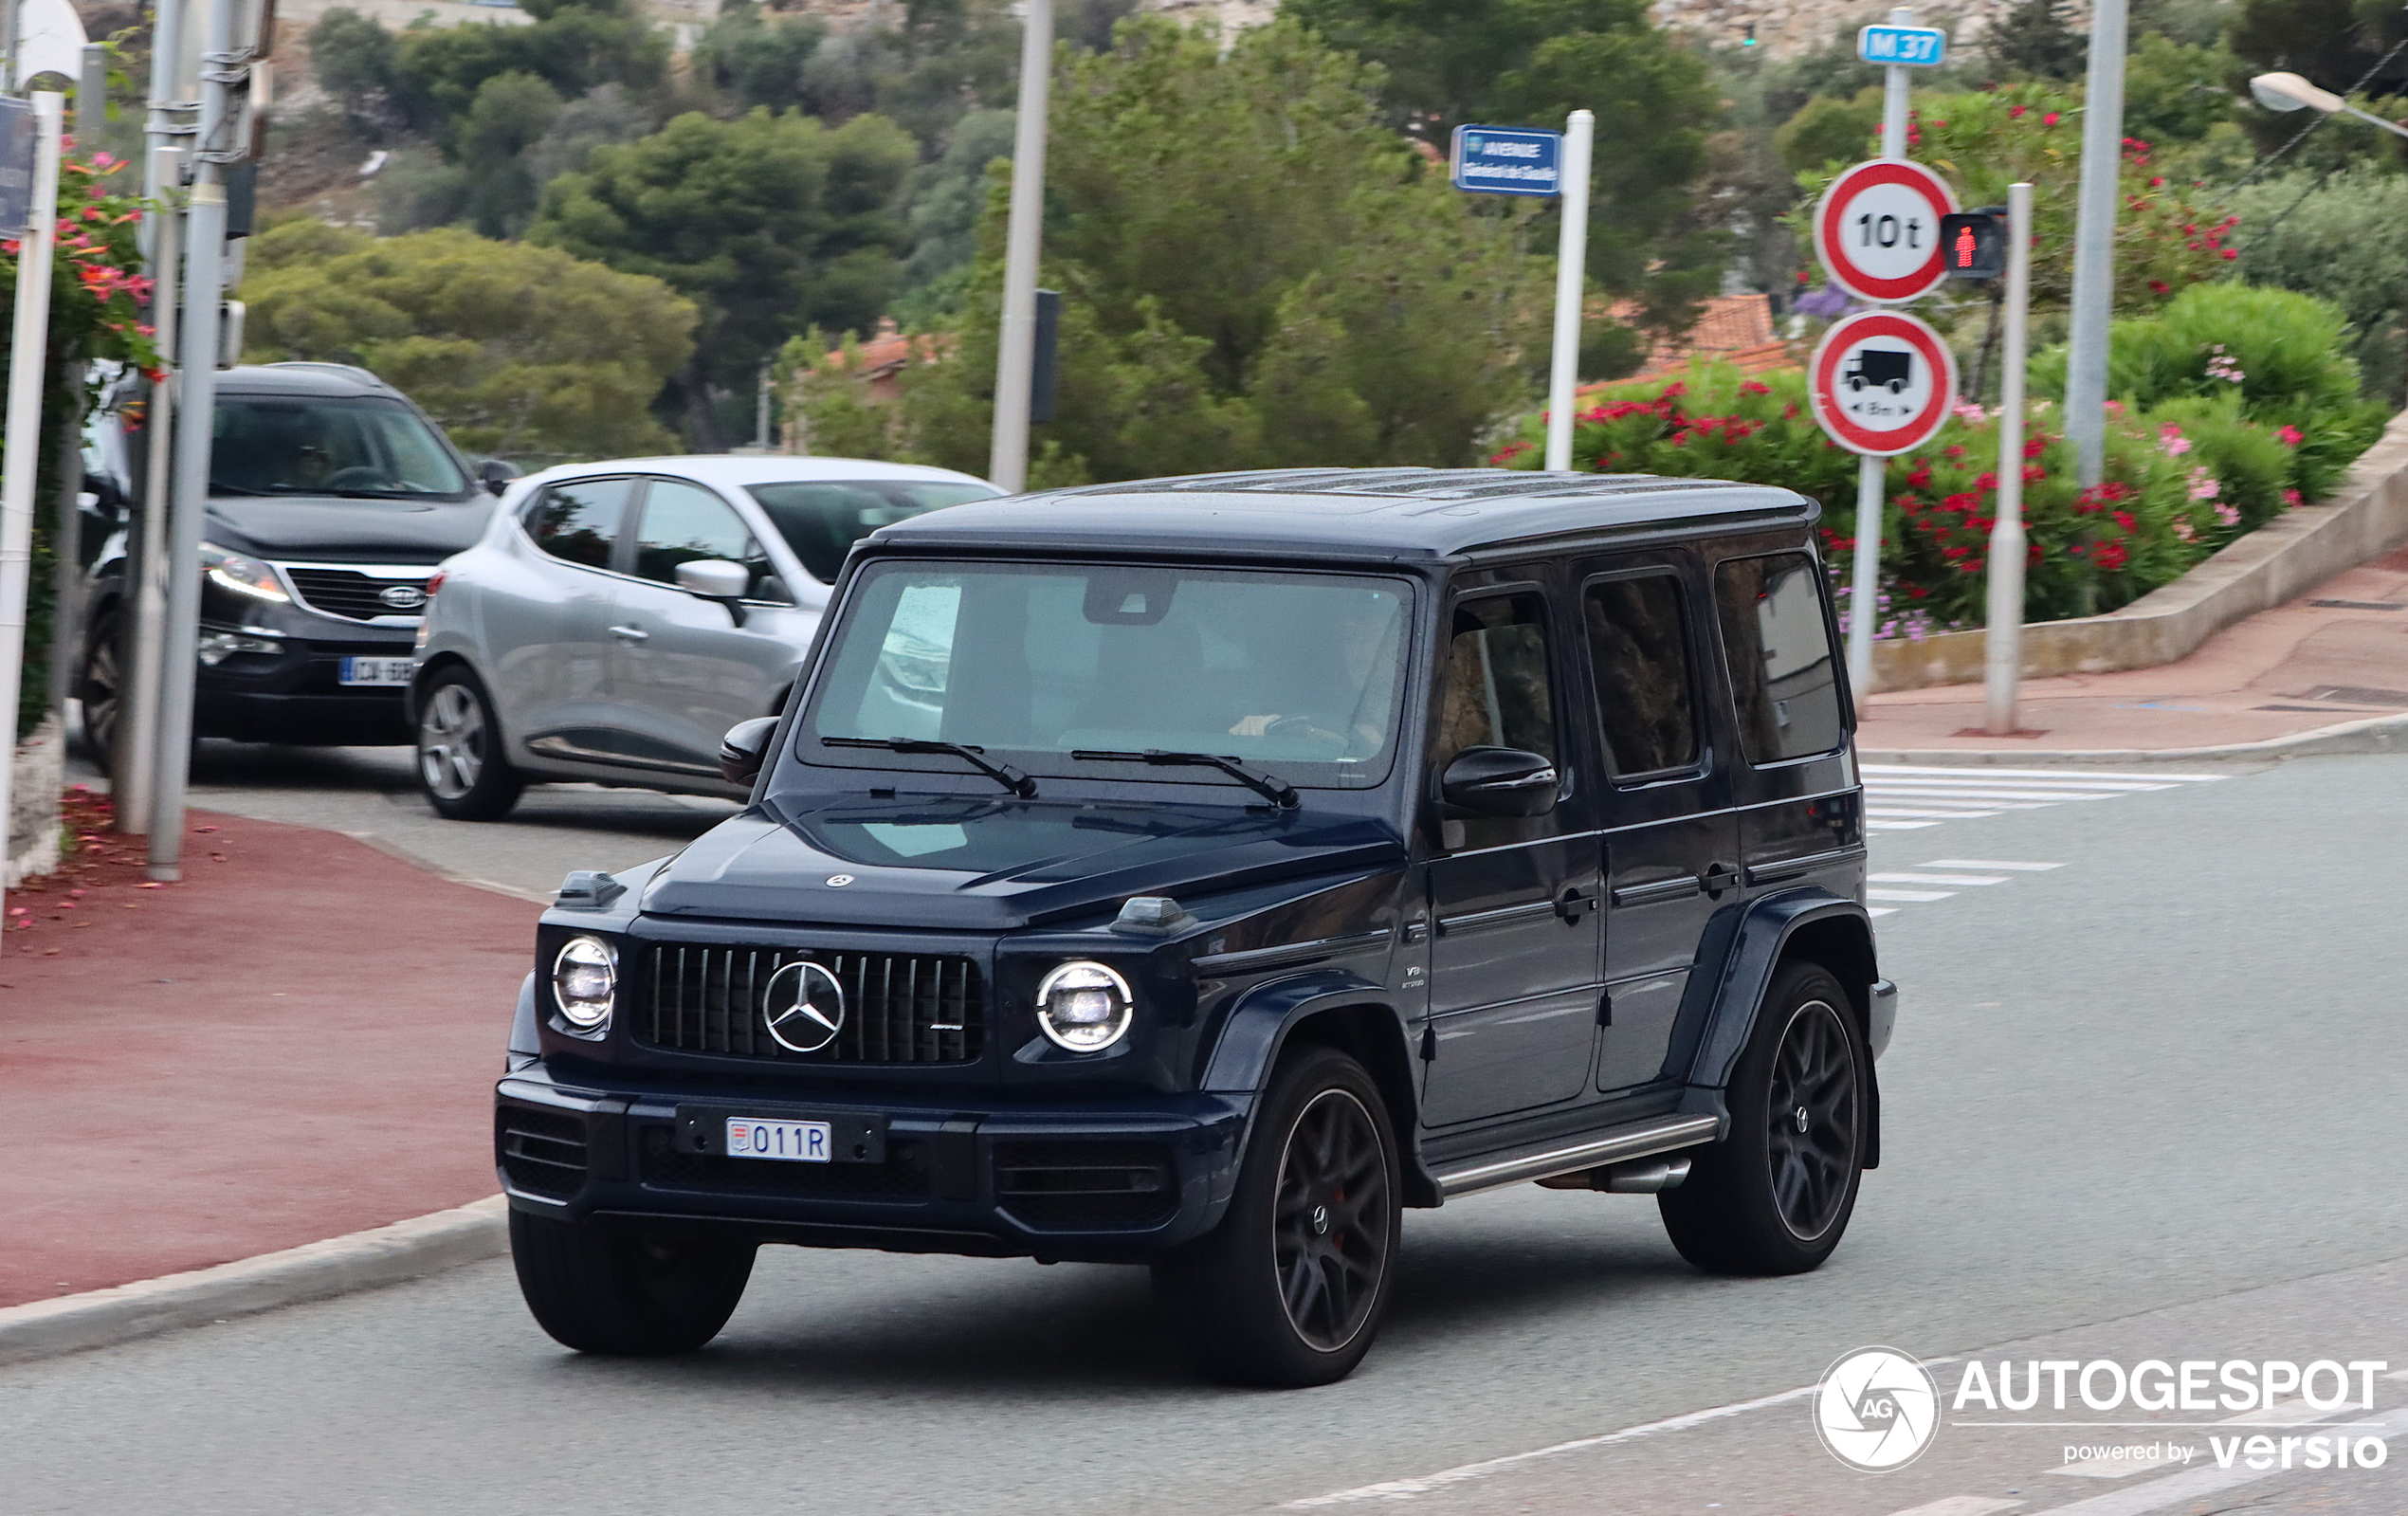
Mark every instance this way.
x=359 y=476
x=1318 y=731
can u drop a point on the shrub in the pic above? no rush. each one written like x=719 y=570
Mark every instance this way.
x=2181 y=482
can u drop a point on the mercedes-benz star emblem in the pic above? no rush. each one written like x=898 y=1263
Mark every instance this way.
x=402 y=597
x=804 y=1007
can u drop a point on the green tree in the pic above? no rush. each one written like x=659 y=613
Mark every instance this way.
x=516 y=350
x=757 y=59
x=359 y=68
x=2035 y=40
x=769 y=223
x=2339 y=241
x=946 y=199
x=1256 y=271
x=572 y=45
x=1532 y=62
x=511 y=113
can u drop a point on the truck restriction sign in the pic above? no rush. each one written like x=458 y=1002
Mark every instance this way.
x=1882 y=382
x=1877 y=229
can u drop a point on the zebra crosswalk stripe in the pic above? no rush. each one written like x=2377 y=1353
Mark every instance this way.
x=1909 y=796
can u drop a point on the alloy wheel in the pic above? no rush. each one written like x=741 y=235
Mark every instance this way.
x=1814 y=1126
x=1331 y=1220
x=451 y=742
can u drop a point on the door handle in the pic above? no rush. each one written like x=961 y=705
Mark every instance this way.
x=1574 y=905
x=630 y=634
x=1718 y=878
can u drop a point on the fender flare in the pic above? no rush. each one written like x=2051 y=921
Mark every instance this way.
x=526 y=1039
x=1759 y=941
x=1255 y=1031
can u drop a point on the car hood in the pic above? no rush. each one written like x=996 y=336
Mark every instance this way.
x=332 y=529
x=993 y=865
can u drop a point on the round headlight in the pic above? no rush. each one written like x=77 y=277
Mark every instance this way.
x=1084 y=1007
x=585 y=981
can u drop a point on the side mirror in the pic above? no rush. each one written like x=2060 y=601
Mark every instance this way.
x=496 y=475
x=1499 y=781
x=716 y=579
x=741 y=750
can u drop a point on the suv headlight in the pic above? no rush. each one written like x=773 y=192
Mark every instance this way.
x=242 y=574
x=1084 y=1007
x=585 y=984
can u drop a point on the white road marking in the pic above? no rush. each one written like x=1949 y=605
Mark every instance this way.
x=1897 y=826
x=1938 y=879
x=1895 y=791
x=1988 y=863
x=1909 y=895
x=1983 y=791
x=1963 y=1506
x=1888 y=812
x=1881 y=910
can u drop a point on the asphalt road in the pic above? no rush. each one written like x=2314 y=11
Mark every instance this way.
x=2146 y=1103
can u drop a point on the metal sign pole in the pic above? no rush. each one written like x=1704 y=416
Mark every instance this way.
x=2003 y=642
x=1008 y=453
x=1864 y=580
x=1571 y=285
x=204 y=292
x=20 y=457
x=2094 y=303
x=1893 y=94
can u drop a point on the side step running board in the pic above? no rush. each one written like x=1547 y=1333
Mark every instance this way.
x=1646 y=1138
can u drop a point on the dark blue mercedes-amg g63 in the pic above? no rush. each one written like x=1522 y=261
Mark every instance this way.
x=1198 y=871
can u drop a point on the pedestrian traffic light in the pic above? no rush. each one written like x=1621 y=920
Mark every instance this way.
x=1974 y=243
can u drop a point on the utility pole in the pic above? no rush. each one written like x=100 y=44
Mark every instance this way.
x=1008 y=455
x=142 y=655
x=21 y=453
x=204 y=257
x=1571 y=286
x=2093 y=306
x=2003 y=642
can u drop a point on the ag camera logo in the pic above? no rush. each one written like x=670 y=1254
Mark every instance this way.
x=1876 y=1408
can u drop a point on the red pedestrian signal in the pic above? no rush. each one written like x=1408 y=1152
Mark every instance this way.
x=1975 y=241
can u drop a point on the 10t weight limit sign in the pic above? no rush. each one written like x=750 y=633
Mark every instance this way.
x=1877 y=231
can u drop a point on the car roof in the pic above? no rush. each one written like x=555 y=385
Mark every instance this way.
x=732 y=470
x=1354 y=512
x=335 y=379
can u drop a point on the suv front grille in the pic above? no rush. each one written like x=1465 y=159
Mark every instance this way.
x=345 y=593
x=900 y=1008
x=1086 y=1186
x=542 y=1152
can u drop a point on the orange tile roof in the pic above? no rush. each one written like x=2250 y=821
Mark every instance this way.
x=1735 y=328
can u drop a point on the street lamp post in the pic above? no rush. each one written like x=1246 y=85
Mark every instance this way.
x=2289 y=92
x=1007 y=454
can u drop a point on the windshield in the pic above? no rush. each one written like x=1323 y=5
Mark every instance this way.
x=822 y=519
x=308 y=445
x=1297 y=673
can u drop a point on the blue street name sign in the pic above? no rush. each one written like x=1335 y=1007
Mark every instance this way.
x=17 y=137
x=1507 y=160
x=1915 y=46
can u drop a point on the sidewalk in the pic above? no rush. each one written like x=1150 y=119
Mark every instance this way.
x=2338 y=653
x=298 y=1042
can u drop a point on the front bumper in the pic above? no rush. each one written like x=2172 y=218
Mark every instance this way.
x=1103 y=1181
x=297 y=694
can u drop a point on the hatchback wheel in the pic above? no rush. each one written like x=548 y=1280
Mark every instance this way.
x=1775 y=1196
x=1289 y=1289
x=461 y=765
x=627 y=1292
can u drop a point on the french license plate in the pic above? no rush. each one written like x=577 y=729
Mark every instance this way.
x=378 y=670
x=791 y=1142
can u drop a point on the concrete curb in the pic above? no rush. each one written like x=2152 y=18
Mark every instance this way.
x=2374 y=734
x=2272 y=566
x=318 y=1271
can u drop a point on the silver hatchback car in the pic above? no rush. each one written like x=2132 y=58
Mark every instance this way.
x=617 y=618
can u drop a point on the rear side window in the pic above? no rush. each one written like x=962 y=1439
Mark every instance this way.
x=1784 y=674
x=1497 y=692
x=1639 y=649
x=578 y=520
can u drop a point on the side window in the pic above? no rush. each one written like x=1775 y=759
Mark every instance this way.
x=683 y=523
x=577 y=521
x=1497 y=692
x=1785 y=675
x=1639 y=651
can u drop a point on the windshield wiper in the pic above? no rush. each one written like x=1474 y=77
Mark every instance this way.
x=1269 y=786
x=1003 y=774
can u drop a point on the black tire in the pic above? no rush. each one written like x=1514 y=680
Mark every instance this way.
x=625 y=1292
x=98 y=683
x=1774 y=1197
x=461 y=765
x=1273 y=1296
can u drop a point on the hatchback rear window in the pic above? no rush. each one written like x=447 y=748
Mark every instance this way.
x=822 y=519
